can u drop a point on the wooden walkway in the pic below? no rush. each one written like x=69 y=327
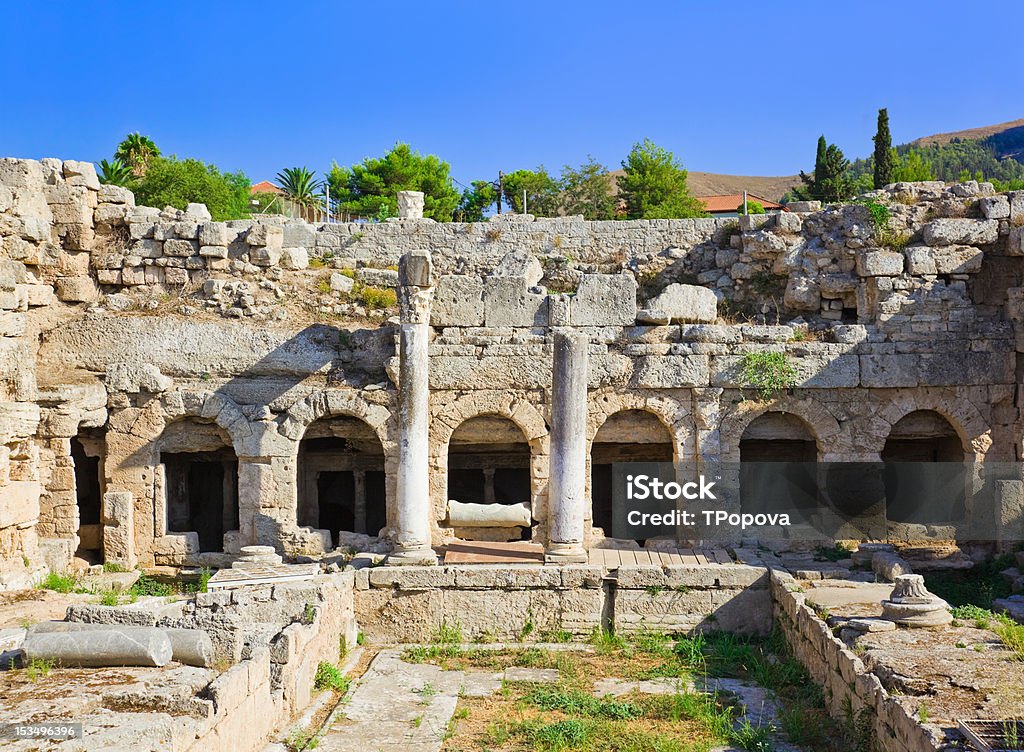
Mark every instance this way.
x=482 y=552
x=695 y=557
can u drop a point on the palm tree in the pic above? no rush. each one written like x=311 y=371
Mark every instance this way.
x=137 y=151
x=301 y=187
x=115 y=172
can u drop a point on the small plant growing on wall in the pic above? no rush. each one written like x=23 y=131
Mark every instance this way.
x=767 y=373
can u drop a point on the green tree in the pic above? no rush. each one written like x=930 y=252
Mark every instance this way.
x=654 y=185
x=179 y=182
x=115 y=172
x=912 y=168
x=541 y=192
x=832 y=180
x=137 y=151
x=753 y=207
x=587 y=190
x=476 y=200
x=370 y=189
x=883 y=151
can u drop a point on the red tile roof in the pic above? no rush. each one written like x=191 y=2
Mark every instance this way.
x=731 y=201
x=265 y=186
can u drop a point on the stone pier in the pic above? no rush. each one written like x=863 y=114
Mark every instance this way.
x=568 y=483
x=412 y=508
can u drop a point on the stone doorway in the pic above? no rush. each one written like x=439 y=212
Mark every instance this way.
x=341 y=480
x=770 y=439
x=87 y=458
x=626 y=436
x=916 y=491
x=489 y=463
x=200 y=482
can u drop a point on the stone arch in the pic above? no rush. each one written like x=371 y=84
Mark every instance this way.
x=448 y=414
x=822 y=425
x=975 y=434
x=326 y=403
x=196 y=494
x=675 y=416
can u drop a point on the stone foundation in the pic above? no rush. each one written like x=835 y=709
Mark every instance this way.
x=852 y=694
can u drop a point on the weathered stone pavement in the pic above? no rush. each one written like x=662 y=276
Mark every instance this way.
x=401 y=706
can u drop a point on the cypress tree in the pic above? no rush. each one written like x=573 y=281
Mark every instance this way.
x=883 y=151
x=819 y=160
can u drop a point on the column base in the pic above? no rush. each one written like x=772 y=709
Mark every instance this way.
x=415 y=557
x=565 y=553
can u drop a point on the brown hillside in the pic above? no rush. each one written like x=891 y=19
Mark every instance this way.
x=971 y=134
x=713 y=184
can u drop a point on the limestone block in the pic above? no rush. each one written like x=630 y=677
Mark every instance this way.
x=508 y=301
x=19 y=503
x=416 y=269
x=920 y=260
x=115 y=194
x=788 y=221
x=110 y=214
x=174 y=549
x=81 y=173
x=890 y=370
x=341 y=283
x=804 y=206
x=1016 y=199
x=265 y=255
x=849 y=334
x=520 y=264
x=180 y=248
x=995 y=207
x=687 y=303
x=214 y=251
x=175 y=276
x=12 y=324
x=148 y=248
x=77 y=290
x=269 y=236
x=954 y=231
x=1015 y=243
x=604 y=300
x=458 y=301
x=670 y=371
x=802 y=294
x=295 y=258
x=880 y=264
x=78 y=213
x=213 y=233
x=299 y=235
x=199 y=212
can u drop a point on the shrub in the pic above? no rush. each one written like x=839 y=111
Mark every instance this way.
x=753 y=207
x=60 y=583
x=329 y=676
x=767 y=373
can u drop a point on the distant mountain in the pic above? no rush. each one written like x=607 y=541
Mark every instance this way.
x=714 y=184
x=994 y=152
x=1006 y=138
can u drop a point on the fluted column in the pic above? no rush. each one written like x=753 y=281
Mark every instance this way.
x=412 y=505
x=567 y=485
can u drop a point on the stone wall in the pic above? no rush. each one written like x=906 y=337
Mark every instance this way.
x=272 y=638
x=410 y=604
x=136 y=323
x=852 y=693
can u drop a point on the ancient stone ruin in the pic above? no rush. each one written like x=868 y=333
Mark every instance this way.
x=176 y=388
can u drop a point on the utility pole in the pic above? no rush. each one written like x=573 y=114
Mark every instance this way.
x=501 y=179
x=744 y=203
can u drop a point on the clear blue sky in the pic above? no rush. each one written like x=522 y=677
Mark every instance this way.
x=738 y=87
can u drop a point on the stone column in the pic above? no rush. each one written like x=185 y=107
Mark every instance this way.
x=412 y=504
x=410 y=205
x=567 y=486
